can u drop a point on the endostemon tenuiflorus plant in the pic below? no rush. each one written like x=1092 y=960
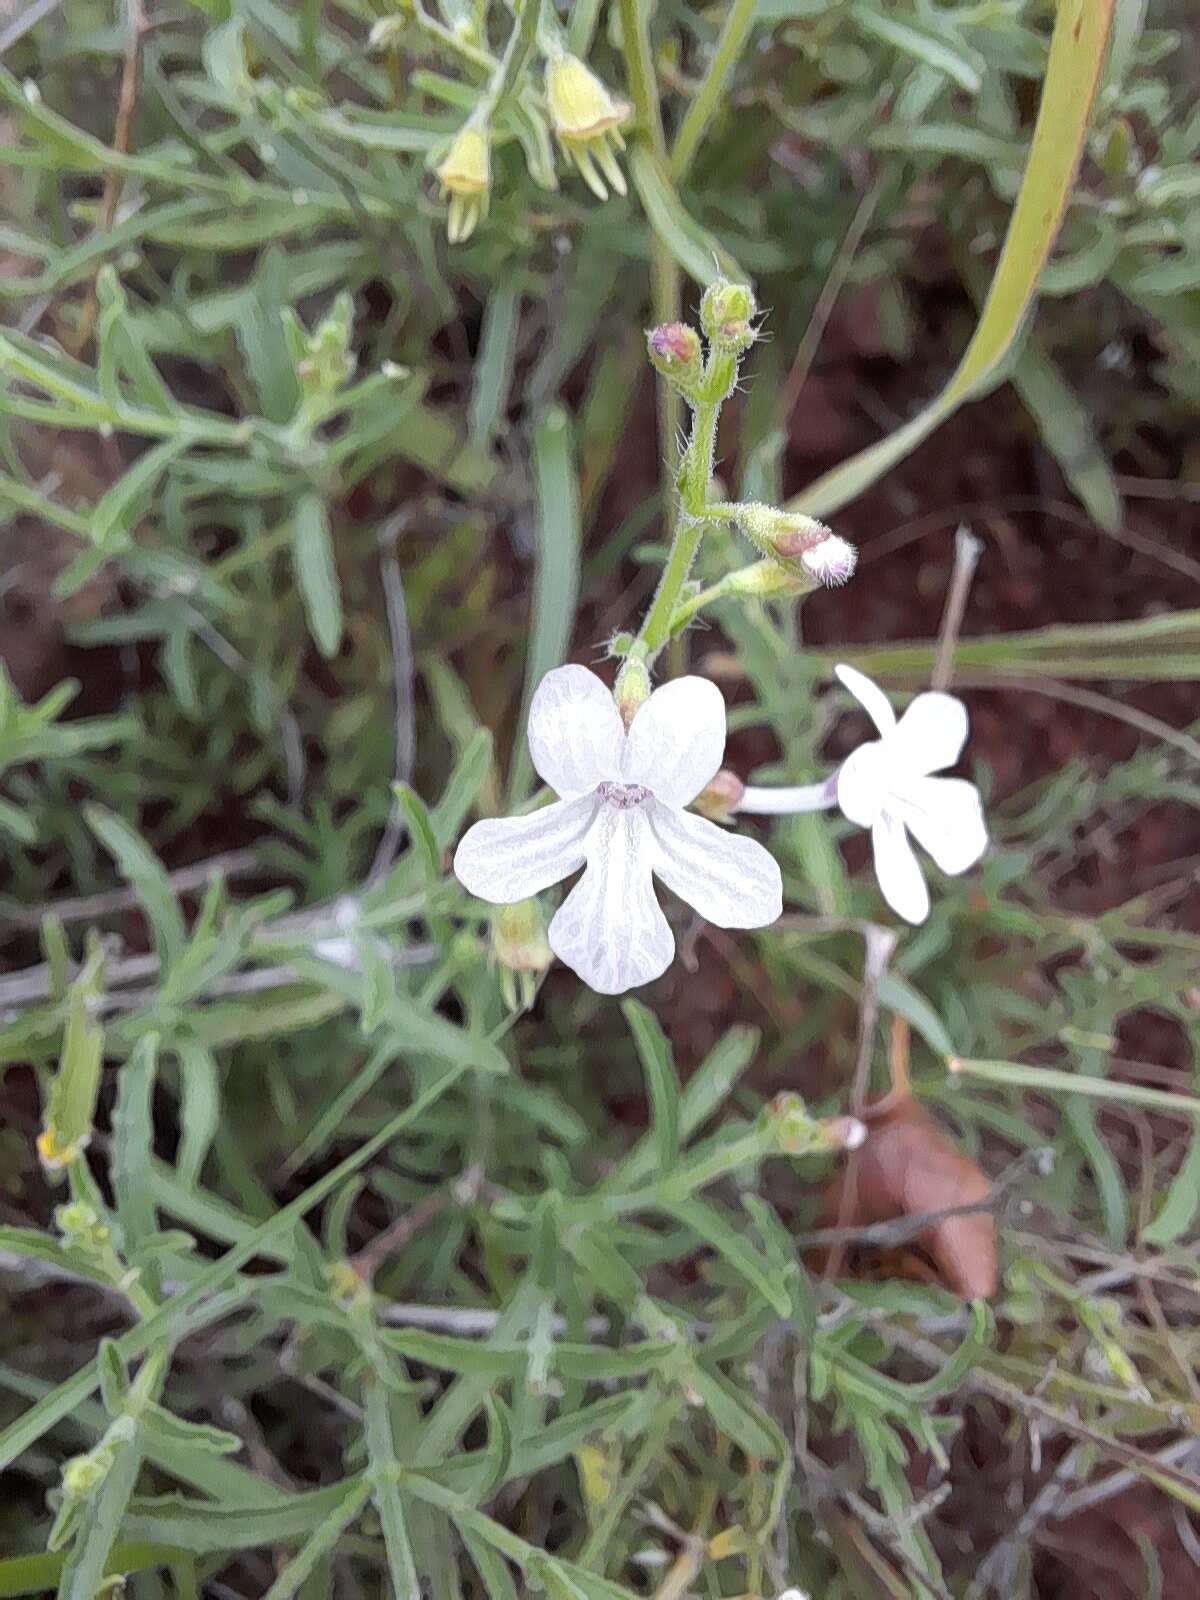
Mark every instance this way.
x=627 y=764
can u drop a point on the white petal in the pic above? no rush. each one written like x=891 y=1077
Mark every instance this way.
x=676 y=741
x=931 y=733
x=575 y=732
x=863 y=782
x=898 y=870
x=869 y=696
x=729 y=879
x=610 y=929
x=946 y=816
x=506 y=859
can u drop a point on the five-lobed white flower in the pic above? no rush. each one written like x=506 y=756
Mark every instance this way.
x=621 y=816
x=887 y=786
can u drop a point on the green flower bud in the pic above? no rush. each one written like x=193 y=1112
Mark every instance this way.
x=798 y=1133
x=80 y=1226
x=633 y=688
x=726 y=314
x=83 y=1475
x=765 y=580
x=520 y=950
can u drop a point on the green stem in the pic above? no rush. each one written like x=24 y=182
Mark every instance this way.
x=695 y=476
x=665 y=279
x=471 y=54
x=683 y=614
x=1052 y=1080
x=639 y=68
x=516 y=53
x=708 y=97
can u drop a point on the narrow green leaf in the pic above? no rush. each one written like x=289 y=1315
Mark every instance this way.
x=320 y=1543
x=1076 y=53
x=143 y=871
x=133 y=1140
x=734 y=1248
x=654 y=1052
x=696 y=250
x=493 y=373
x=1182 y=1201
x=206 y=1528
x=199 y=1108
x=556 y=580
x=420 y=827
x=71 y=1107
x=316 y=573
x=1067 y=432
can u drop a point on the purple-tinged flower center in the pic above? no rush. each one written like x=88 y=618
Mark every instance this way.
x=624 y=796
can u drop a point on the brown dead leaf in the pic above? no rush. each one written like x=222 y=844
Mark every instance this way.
x=907 y=1168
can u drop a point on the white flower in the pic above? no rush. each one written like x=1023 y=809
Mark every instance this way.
x=622 y=817
x=886 y=786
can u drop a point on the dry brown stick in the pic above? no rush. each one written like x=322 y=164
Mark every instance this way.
x=826 y=300
x=83 y=908
x=905 y=1229
x=967 y=550
x=399 y=1233
x=114 y=181
x=879 y=944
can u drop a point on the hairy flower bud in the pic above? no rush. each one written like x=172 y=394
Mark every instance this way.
x=726 y=315
x=831 y=562
x=633 y=688
x=800 y=543
x=674 y=350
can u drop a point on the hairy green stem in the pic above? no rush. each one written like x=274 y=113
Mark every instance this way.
x=694 y=478
x=707 y=102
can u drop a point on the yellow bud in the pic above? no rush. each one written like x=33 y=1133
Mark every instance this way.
x=467 y=168
x=465 y=174
x=55 y=1152
x=588 y=123
x=520 y=951
x=598 y=1474
x=581 y=108
x=519 y=938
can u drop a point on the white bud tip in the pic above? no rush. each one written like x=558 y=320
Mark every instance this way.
x=854 y=1134
x=832 y=562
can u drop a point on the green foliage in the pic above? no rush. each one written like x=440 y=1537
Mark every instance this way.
x=402 y=1292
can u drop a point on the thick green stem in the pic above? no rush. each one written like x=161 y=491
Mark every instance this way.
x=708 y=97
x=639 y=68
